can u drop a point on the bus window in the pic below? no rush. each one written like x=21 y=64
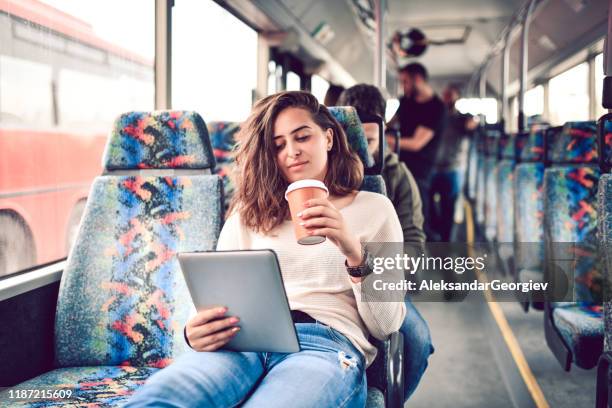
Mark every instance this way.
x=67 y=69
x=293 y=81
x=569 y=95
x=534 y=101
x=318 y=87
x=215 y=78
x=26 y=97
x=477 y=106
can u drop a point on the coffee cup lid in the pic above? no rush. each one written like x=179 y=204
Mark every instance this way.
x=305 y=183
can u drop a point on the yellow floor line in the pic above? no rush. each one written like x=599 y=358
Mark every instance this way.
x=504 y=327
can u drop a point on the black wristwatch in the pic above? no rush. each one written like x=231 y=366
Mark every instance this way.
x=363 y=270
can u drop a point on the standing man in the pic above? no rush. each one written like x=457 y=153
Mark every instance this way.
x=451 y=161
x=421 y=118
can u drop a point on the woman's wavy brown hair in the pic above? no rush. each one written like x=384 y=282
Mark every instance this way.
x=260 y=187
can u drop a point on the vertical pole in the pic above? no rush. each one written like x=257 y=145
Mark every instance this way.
x=522 y=125
x=380 y=68
x=483 y=90
x=505 y=66
x=163 y=54
x=263 y=58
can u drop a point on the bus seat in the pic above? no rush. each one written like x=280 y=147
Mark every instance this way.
x=529 y=211
x=490 y=180
x=384 y=389
x=223 y=143
x=123 y=301
x=604 y=223
x=471 y=169
x=480 y=181
x=348 y=118
x=505 y=201
x=574 y=331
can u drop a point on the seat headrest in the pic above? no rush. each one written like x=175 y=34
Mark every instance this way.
x=222 y=135
x=349 y=120
x=605 y=143
x=532 y=146
x=158 y=140
x=576 y=143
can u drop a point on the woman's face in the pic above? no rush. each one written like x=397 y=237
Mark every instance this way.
x=301 y=146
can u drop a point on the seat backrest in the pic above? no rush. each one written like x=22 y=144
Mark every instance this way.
x=570 y=206
x=490 y=173
x=222 y=138
x=122 y=298
x=605 y=236
x=529 y=203
x=349 y=119
x=481 y=180
x=505 y=189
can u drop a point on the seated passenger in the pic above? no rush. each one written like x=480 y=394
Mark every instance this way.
x=404 y=193
x=288 y=137
x=402 y=189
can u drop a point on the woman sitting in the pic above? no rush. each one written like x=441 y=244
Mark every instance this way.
x=288 y=137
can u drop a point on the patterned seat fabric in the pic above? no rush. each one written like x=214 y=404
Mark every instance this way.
x=348 y=118
x=490 y=173
x=505 y=191
x=529 y=208
x=581 y=327
x=480 y=187
x=472 y=168
x=605 y=235
x=570 y=191
x=222 y=137
x=606 y=148
x=104 y=386
x=123 y=301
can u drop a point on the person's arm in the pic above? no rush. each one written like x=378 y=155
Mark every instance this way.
x=383 y=318
x=422 y=135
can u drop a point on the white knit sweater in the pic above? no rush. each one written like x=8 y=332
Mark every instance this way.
x=315 y=276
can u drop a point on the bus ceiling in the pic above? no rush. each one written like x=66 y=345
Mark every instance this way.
x=337 y=39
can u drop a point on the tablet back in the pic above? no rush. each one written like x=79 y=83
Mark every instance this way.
x=250 y=285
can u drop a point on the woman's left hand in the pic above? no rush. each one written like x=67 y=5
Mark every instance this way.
x=322 y=218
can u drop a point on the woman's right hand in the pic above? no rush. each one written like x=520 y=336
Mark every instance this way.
x=210 y=330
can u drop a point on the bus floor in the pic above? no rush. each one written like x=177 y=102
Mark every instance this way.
x=466 y=371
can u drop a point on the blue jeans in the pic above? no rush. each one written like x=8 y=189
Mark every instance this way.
x=417 y=348
x=328 y=372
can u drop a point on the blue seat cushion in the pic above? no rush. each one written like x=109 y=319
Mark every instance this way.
x=529 y=215
x=375 y=399
x=123 y=299
x=576 y=143
x=374 y=184
x=604 y=222
x=222 y=137
x=161 y=139
x=571 y=205
x=582 y=329
x=104 y=386
x=505 y=197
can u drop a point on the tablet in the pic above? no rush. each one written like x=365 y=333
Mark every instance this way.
x=250 y=285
